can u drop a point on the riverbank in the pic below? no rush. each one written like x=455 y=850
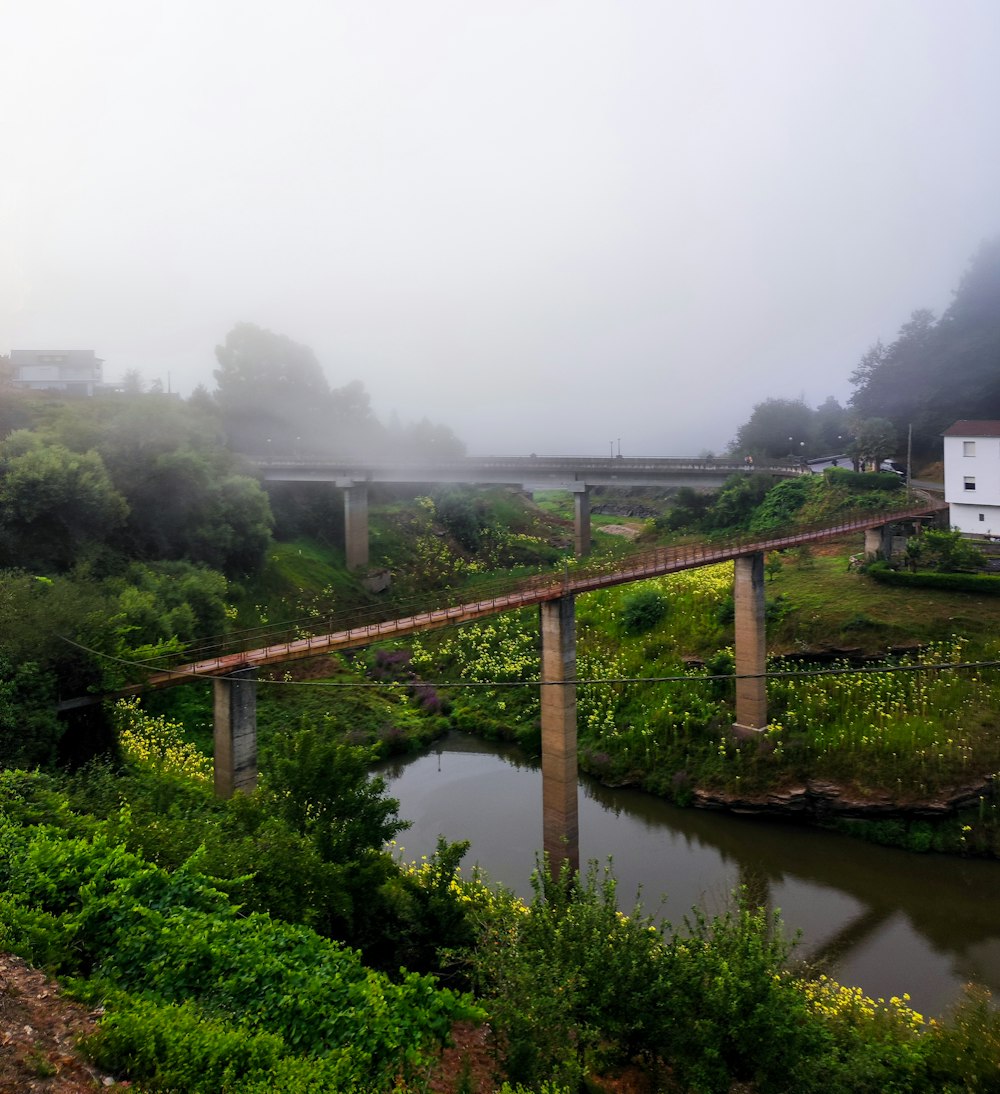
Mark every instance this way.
x=861 y=910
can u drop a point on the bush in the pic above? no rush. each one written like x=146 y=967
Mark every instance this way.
x=781 y=504
x=176 y=940
x=943 y=552
x=462 y=517
x=863 y=481
x=728 y=1012
x=567 y=975
x=980 y=584
x=642 y=610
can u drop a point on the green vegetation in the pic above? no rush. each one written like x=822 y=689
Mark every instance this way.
x=274 y=941
x=759 y=504
x=197 y=925
x=201 y=994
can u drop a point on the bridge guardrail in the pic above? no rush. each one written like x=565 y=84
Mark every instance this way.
x=504 y=594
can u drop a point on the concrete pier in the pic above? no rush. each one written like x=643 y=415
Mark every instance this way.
x=355 y=524
x=581 y=520
x=560 y=823
x=235 y=729
x=751 y=646
x=878 y=542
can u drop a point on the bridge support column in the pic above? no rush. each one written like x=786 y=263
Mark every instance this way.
x=581 y=520
x=751 y=646
x=878 y=542
x=235 y=730
x=560 y=823
x=356 y=525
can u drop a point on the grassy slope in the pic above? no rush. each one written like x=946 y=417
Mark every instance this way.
x=834 y=607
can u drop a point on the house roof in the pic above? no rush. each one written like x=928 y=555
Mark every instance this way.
x=965 y=428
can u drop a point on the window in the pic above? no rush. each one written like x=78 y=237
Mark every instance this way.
x=982 y=516
x=968 y=448
x=970 y=482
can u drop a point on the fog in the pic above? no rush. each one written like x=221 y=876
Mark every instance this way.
x=548 y=225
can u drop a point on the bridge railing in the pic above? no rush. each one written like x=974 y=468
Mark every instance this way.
x=506 y=593
x=522 y=466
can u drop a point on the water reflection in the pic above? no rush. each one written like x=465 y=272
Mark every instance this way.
x=887 y=920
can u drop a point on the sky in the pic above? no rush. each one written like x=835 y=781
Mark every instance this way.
x=553 y=226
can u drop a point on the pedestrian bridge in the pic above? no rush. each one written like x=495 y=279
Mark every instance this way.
x=233 y=671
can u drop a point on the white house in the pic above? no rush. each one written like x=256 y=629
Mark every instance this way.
x=71 y=370
x=972 y=476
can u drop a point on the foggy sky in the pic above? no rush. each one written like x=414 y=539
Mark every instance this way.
x=547 y=224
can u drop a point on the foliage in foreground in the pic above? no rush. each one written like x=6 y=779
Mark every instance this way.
x=575 y=988
x=307 y=847
x=177 y=962
x=201 y=995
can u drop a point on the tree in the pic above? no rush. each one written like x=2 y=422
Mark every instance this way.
x=322 y=790
x=777 y=428
x=894 y=382
x=55 y=505
x=424 y=440
x=830 y=425
x=935 y=373
x=875 y=440
x=132 y=382
x=186 y=496
x=271 y=391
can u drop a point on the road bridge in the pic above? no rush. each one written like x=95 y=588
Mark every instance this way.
x=233 y=672
x=576 y=474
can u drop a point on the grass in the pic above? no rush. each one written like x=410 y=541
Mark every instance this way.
x=829 y=601
x=300 y=577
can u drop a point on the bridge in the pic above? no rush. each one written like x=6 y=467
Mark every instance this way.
x=576 y=474
x=233 y=672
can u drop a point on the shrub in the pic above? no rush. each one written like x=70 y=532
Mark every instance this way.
x=981 y=584
x=779 y=507
x=863 y=481
x=642 y=610
x=962 y=1054
x=566 y=975
x=175 y=939
x=944 y=552
x=728 y=1012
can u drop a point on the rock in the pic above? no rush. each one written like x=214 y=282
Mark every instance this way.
x=822 y=800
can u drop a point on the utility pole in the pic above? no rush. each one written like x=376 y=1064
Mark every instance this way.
x=909 y=460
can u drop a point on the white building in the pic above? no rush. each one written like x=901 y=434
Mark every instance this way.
x=972 y=476
x=71 y=370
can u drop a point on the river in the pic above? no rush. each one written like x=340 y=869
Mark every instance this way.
x=886 y=920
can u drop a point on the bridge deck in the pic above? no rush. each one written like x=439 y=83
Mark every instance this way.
x=540 y=472
x=519 y=594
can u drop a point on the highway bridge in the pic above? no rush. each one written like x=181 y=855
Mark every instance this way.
x=576 y=474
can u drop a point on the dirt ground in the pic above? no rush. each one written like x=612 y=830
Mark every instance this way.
x=39 y=1030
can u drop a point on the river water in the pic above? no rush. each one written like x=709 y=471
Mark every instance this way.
x=888 y=921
